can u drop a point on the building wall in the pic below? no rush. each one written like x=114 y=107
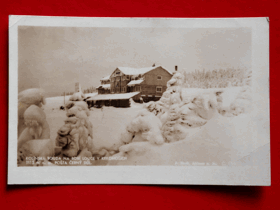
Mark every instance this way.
x=103 y=91
x=122 y=81
x=151 y=82
x=151 y=90
x=104 y=82
x=100 y=91
x=151 y=77
x=147 y=87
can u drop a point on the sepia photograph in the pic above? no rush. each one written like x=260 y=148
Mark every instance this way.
x=138 y=100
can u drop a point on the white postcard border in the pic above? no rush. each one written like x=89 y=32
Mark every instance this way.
x=220 y=175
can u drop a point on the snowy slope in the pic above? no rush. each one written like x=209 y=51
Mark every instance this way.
x=223 y=138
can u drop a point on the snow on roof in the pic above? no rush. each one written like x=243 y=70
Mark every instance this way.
x=106 y=78
x=137 y=71
x=99 y=97
x=135 y=82
x=107 y=86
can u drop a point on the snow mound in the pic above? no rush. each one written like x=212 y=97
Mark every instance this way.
x=32 y=96
x=75 y=136
x=176 y=80
x=27 y=98
x=32 y=123
x=78 y=96
x=196 y=125
x=235 y=101
x=148 y=125
x=221 y=140
x=145 y=153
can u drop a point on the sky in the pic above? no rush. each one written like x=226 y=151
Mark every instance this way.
x=55 y=58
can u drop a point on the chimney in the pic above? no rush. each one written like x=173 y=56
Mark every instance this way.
x=176 y=68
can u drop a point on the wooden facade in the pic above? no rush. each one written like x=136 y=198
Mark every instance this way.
x=150 y=82
x=104 y=81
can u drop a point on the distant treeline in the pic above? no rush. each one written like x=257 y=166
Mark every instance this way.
x=67 y=93
x=216 y=78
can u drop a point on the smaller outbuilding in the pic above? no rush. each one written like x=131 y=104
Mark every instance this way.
x=116 y=100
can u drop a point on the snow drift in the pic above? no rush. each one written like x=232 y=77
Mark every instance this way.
x=214 y=126
x=75 y=136
x=210 y=126
x=32 y=125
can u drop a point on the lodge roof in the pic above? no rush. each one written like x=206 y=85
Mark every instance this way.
x=100 y=97
x=106 y=86
x=135 y=82
x=137 y=71
x=105 y=78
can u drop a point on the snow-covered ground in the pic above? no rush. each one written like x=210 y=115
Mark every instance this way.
x=108 y=122
x=56 y=102
x=241 y=134
x=187 y=126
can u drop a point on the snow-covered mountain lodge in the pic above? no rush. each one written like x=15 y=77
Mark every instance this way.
x=125 y=83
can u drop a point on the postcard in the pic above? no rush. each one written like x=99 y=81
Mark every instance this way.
x=139 y=101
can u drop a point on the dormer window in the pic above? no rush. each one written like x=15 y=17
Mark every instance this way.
x=159 y=77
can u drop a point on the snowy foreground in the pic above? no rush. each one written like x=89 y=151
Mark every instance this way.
x=187 y=126
x=108 y=123
x=241 y=136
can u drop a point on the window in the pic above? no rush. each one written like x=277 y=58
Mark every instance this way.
x=124 y=89
x=138 y=88
x=159 y=77
x=159 y=89
x=127 y=77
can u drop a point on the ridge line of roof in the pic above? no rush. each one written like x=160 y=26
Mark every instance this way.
x=135 y=69
x=151 y=68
